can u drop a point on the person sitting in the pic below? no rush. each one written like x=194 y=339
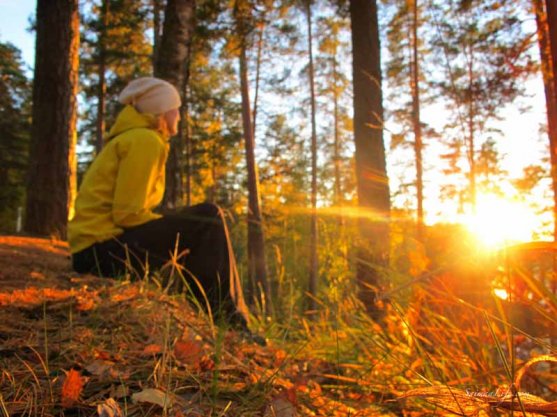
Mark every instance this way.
x=115 y=229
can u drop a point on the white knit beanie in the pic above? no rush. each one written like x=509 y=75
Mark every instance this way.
x=150 y=95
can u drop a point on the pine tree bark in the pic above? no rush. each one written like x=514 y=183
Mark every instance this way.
x=550 y=97
x=188 y=144
x=338 y=196
x=258 y=287
x=257 y=76
x=417 y=125
x=336 y=142
x=551 y=9
x=171 y=65
x=471 y=140
x=101 y=92
x=157 y=8
x=313 y=261
x=371 y=172
x=257 y=266
x=52 y=176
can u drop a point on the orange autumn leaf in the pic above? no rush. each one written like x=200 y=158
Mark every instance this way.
x=152 y=349
x=72 y=388
x=188 y=352
x=290 y=395
x=101 y=354
x=280 y=357
x=37 y=275
x=34 y=296
x=85 y=303
x=206 y=363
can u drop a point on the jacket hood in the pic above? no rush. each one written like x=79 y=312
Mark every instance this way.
x=129 y=118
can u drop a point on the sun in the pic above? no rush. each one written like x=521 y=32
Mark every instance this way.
x=500 y=221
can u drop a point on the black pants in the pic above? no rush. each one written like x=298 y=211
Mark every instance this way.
x=196 y=237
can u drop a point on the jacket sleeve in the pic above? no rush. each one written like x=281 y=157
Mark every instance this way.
x=138 y=171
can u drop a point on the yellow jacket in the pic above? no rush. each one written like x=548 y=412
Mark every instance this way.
x=124 y=183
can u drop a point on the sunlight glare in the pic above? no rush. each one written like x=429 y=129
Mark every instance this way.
x=500 y=221
x=501 y=293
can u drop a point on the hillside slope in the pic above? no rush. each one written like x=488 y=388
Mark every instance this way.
x=75 y=344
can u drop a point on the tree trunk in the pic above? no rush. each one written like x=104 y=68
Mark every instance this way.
x=371 y=172
x=101 y=106
x=551 y=9
x=339 y=201
x=171 y=65
x=550 y=97
x=188 y=165
x=417 y=125
x=471 y=142
x=258 y=282
x=157 y=8
x=257 y=76
x=52 y=175
x=257 y=266
x=186 y=127
x=313 y=261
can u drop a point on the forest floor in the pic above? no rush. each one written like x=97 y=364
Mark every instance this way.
x=79 y=345
x=74 y=344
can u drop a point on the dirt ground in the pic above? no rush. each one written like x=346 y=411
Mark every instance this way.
x=26 y=262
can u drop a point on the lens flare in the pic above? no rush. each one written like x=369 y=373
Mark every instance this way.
x=499 y=221
x=501 y=293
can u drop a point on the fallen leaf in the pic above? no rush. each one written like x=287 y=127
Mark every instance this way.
x=71 y=389
x=188 y=352
x=280 y=407
x=85 y=304
x=153 y=396
x=115 y=374
x=37 y=275
x=99 y=367
x=290 y=395
x=125 y=294
x=280 y=356
x=315 y=389
x=101 y=354
x=206 y=363
x=120 y=391
x=191 y=412
x=152 y=349
x=109 y=409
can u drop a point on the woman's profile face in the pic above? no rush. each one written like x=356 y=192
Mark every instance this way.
x=172 y=117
